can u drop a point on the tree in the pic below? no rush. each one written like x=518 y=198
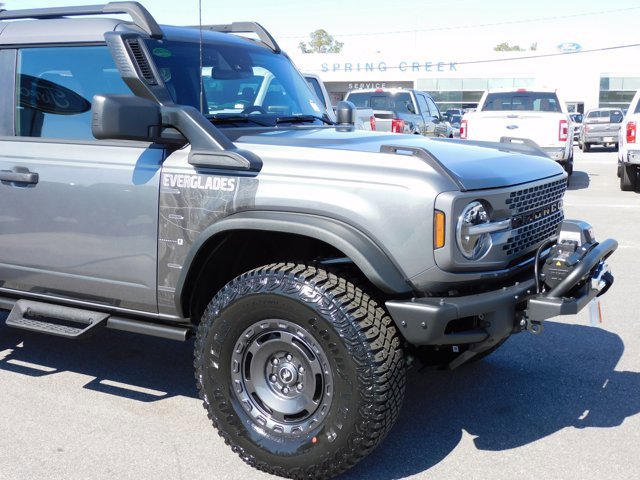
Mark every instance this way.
x=505 y=47
x=321 y=42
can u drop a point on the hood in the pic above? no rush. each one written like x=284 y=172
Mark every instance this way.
x=471 y=165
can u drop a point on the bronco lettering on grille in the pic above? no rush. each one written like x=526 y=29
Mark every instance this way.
x=528 y=217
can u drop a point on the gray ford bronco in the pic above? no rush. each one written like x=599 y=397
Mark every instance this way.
x=179 y=181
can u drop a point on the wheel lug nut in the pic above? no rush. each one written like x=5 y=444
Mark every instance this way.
x=289 y=357
x=299 y=387
x=275 y=361
x=300 y=370
x=285 y=390
x=273 y=378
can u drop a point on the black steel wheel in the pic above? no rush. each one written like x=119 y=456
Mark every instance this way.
x=300 y=370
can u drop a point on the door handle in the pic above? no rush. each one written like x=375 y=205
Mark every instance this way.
x=18 y=177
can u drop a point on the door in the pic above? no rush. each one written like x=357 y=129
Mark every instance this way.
x=79 y=216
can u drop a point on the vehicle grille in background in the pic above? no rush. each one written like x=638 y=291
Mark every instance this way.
x=536 y=214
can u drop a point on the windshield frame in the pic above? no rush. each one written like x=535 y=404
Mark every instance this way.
x=232 y=76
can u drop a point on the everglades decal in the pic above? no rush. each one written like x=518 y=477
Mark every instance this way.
x=189 y=203
x=200 y=182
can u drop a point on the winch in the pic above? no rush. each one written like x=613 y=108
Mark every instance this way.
x=574 y=260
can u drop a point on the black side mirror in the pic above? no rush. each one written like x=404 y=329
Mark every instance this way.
x=125 y=117
x=346 y=113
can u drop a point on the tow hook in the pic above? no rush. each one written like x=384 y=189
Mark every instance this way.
x=523 y=322
x=602 y=278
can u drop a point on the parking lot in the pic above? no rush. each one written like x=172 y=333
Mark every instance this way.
x=561 y=405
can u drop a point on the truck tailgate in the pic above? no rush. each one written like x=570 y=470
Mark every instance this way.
x=540 y=127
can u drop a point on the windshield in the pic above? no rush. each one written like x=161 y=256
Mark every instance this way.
x=527 y=101
x=235 y=81
x=399 y=102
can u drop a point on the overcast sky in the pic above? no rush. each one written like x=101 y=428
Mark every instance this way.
x=390 y=26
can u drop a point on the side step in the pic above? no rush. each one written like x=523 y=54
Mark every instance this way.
x=55 y=319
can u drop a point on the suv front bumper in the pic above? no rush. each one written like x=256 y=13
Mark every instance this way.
x=498 y=313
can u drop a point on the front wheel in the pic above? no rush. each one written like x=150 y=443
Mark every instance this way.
x=299 y=369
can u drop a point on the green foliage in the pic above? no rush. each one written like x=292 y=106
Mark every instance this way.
x=321 y=42
x=505 y=47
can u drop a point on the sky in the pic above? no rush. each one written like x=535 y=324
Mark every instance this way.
x=386 y=27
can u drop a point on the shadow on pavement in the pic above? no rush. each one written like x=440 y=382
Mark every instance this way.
x=128 y=365
x=529 y=389
x=579 y=181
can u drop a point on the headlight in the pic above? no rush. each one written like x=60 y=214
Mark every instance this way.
x=474 y=241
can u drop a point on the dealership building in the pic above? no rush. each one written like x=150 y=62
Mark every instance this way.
x=583 y=78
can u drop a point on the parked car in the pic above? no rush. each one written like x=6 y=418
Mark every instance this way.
x=365 y=120
x=576 y=120
x=143 y=191
x=400 y=110
x=535 y=117
x=455 y=121
x=600 y=127
x=454 y=111
x=628 y=147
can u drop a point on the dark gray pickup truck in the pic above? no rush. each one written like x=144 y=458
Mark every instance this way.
x=185 y=182
x=400 y=110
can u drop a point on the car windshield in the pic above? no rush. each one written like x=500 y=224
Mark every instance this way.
x=605 y=116
x=235 y=83
x=397 y=102
x=526 y=101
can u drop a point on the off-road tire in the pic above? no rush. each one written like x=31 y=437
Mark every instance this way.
x=628 y=178
x=299 y=315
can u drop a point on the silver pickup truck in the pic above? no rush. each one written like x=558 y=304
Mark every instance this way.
x=600 y=126
x=144 y=188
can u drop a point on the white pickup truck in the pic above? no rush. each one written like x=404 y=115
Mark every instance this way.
x=365 y=119
x=628 y=147
x=535 y=117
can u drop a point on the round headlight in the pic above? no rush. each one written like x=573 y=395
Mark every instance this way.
x=474 y=243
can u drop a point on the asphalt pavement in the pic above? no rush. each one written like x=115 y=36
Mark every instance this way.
x=561 y=405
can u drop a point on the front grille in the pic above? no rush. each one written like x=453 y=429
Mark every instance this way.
x=536 y=214
x=530 y=235
x=531 y=198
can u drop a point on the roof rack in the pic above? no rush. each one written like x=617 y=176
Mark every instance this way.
x=137 y=12
x=246 y=27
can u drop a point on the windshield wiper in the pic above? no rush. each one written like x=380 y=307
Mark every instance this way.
x=303 y=119
x=221 y=119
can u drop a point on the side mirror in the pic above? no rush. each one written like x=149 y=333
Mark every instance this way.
x=346 y=114
x=125 y=117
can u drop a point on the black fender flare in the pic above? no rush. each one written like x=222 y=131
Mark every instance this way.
x=374 y=262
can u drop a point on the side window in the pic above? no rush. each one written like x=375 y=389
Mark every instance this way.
x=433 y=108
x=317 y=89
x=55 y=88
x=422 y=104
